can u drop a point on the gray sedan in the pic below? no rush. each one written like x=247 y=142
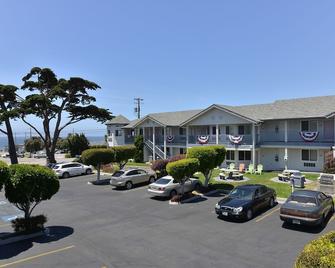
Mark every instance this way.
x=131 y=177
x=307 y=207
x=167 y=187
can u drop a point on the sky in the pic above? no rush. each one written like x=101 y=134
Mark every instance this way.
x=176 y=54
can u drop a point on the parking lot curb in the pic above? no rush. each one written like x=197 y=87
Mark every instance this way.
x=281 y=200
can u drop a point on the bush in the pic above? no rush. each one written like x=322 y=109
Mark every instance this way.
x=33 y=144
x=159 y=166
x=29 y=185
x=209 y=158
x=122 y=154
x=67 y=156
x=4 y=173
x=77 y=143
x=319 y=253
x=35 y=223
x=98 y=146
x=139 y=144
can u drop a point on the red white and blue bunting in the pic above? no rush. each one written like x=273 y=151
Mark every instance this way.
x=203 y=139
x=309 y=135
x=169 y=138
x=235 y=139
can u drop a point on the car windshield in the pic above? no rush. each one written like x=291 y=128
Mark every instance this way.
x=118 y=174
x=302 y=199
x=163 y=181
x=55 y=167
x=242 y=193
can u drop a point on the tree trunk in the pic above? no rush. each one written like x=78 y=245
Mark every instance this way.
x=98 y=173
x=207 y=178
x=182 y=187
x=11 y=143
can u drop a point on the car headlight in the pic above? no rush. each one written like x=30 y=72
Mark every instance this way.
x=238 y=210
x=217 y=206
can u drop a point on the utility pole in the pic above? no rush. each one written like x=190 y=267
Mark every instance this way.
x=137 y=109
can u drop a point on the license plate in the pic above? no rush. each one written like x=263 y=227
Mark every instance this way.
x=224 y=213
x=295 y=221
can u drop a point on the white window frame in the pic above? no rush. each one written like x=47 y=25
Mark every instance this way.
x=309 y=120
x=309 y=155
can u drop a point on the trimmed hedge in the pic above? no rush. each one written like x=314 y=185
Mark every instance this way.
x=319 y=253
x=4 y=173
x=96 y=157
x=182 y=169
x=159 y=166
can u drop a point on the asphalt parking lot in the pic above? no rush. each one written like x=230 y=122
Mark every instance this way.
x=98 y=226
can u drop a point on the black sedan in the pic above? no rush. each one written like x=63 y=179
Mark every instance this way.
x=307 y=207
x=245 y=200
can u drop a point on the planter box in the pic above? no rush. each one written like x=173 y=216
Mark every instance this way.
x=16 y=237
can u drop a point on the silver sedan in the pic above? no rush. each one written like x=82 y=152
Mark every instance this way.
x=130 y=177
x=167 y=187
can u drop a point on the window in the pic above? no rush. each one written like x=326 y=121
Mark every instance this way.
x=182 y=131
x=227 y=130
x=244 y=155
x=230 y=155
x=309 y=125
x=141 y=172
x=108 y=132
x=240 y=130
x=309 y=155
x=263 y=190
x=118 y=132
x=132 y=173
x=182 y=151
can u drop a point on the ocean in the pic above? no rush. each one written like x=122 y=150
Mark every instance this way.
x=19 y=140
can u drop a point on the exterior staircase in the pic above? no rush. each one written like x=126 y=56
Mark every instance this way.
x=158 y=152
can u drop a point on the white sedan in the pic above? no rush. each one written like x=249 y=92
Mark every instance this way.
x=167 y=187
x=65 y=170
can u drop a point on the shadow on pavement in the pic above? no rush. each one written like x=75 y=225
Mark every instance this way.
x=53 y=233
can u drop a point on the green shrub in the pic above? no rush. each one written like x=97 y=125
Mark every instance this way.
x=139 y=144
x=67 y=156
x=209 y=158
x=122 y=154
x=182 y=170
x=34 y=223
x=4 y=173
x=29 y=185
x=319 y=253
x=98 y=146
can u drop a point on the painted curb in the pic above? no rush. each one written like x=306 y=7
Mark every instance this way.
x=99 y=182
x=198 y=196
x=21 y=238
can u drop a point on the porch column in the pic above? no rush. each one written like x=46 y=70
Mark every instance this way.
x=187 y=132
x=143 y=133
x=153 y=144
x=253 y=144
x=164 y=142
x=217 y=133
x=286 y=139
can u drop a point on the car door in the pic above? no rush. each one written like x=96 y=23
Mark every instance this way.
x=142 y=176
x=258 y=200
x=133 y=176
x=324 y=205
x=77 y=169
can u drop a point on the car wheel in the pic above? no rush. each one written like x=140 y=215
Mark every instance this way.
x=249 y=214
x=271 y=202
x=129 y=185
x=88 y=171
x=151 y=180
x=66 y=175
x=173 y=193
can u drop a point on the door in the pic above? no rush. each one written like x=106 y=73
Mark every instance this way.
x=258 y=200
x=142 y=176
x=133 y=176
x=77 y=169
x=328 y=128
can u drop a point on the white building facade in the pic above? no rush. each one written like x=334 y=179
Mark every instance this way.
x=292 y=134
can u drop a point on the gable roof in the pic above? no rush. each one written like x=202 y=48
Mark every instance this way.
x=170 y=118
x=312 y=107
x=288 y=109
x=131 y=123
x=118 y=120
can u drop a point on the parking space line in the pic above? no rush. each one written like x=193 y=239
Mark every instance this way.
x=267 y=215
x=36 y=256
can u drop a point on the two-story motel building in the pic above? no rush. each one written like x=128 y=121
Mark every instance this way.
x=293 y=133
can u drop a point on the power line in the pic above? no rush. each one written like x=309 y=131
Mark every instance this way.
x=137 y=109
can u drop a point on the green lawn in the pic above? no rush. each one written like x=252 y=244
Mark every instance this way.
x=282 y=190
